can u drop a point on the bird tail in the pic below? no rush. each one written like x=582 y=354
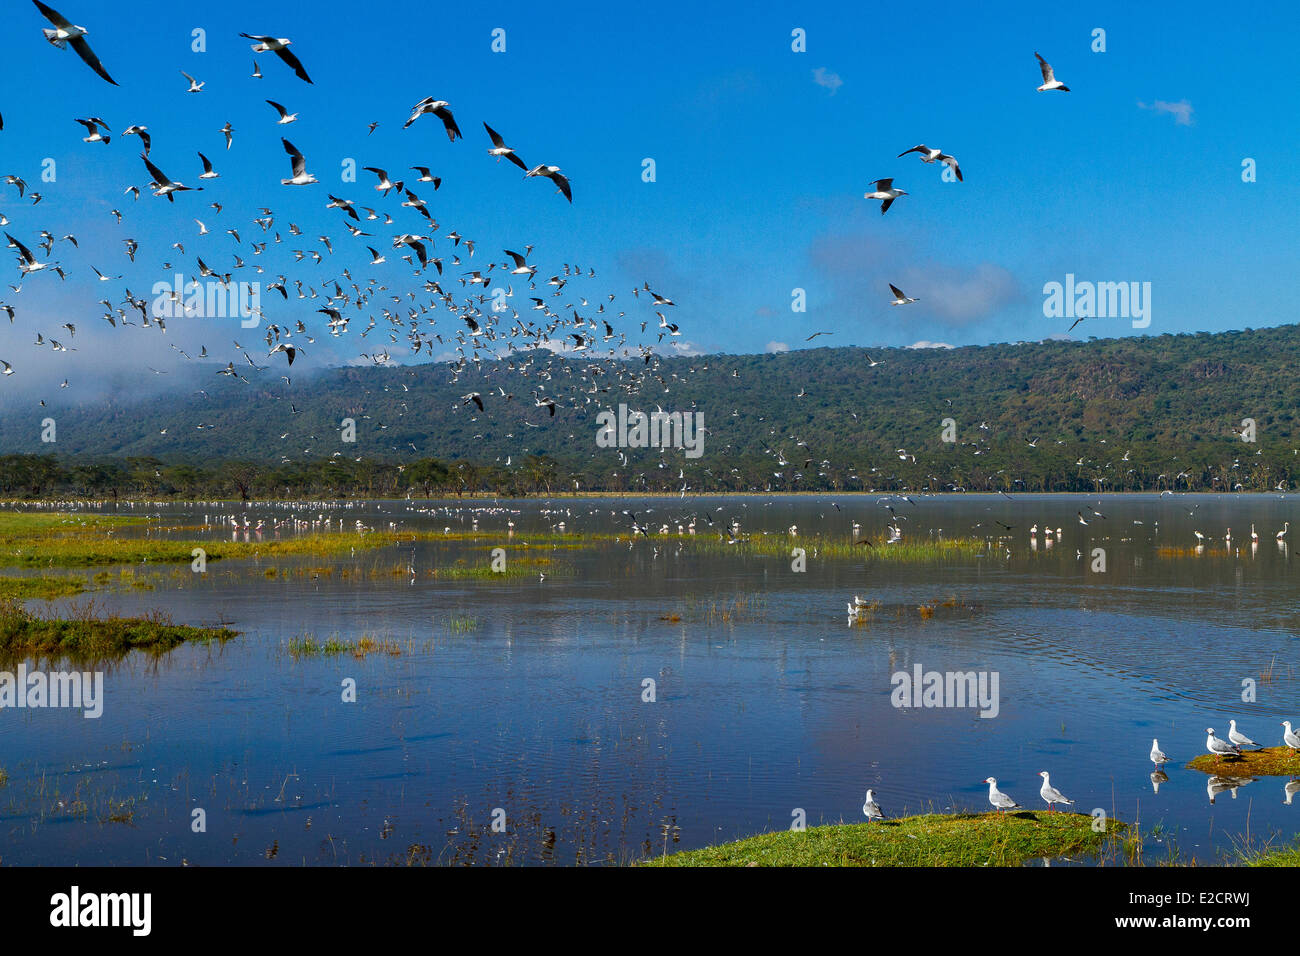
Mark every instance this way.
x=53 y=37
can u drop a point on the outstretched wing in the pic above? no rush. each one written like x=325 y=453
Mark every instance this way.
x=86 y=53
x=1046 y=67
x=295 y=64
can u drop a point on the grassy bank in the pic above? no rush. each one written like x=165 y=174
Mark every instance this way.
x=1286 y=856
x=1269 y=762
x=963 y=839
x=44 y=588
x=59 y=540
x=87 y=638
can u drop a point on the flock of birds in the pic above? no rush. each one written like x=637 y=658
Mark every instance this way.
x=1052 y=796
x=563 y=316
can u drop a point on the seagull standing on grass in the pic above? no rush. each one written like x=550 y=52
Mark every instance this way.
x=999 y=799
x=1237 y=737
x=871 y=809
x=1290 y=737
x=1051 y=794
x=1220 y=748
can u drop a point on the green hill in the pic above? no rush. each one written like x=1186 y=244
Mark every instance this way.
x=1116 y=414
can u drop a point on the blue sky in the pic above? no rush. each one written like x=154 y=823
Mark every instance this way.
x=760 y=169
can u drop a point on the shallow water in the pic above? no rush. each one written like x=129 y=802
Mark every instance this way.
x=525 y=694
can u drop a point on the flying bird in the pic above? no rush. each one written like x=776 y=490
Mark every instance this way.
x=554 y=175
x=899 y=298
x=501 y=150
x=280 y=47
x=285 y=115
x=162 y=185
x=885 y=190
x=930 y=155
x=92 y=127
x=69 y=33
x=1050 y=82
x=300 y=175
x=440 y=109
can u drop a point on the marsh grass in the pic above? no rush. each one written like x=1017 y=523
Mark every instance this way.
x=842 y=548
x=306 y=646
x=39 y=588
x=86 y=637
x=1269 y=762
x=1267 y=855
x=962 y=839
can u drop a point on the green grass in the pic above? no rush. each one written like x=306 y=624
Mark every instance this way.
x=87 y=638
x=44 y=588
x=907 y=551
x=1269 y=762
x=308 y=646
x=963 y=839
x=1286 y=856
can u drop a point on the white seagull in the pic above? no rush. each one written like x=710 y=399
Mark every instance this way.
x=1051 y=794
x=285 y=116
x=885 y=190
x=899 y=298
x=196 y=86
x=440 y=109
x=1237 y=737
x=871 y=809
x=69 y=33
x=1290 y=737
x=929 y=155
x=1157 y=755
x=29 y=262
x=554 y=175
x=162 y=185
x=300 y=175
x=999 y=799
x=1220 y=748
x=95 y=136
x=1050 y=82
x=280 y=47
x=500 y=150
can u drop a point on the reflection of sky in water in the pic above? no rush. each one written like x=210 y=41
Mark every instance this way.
x=537 y=709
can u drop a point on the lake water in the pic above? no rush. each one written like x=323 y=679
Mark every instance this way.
x=524 y=696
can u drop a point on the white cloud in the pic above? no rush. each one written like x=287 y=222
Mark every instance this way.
x=824 y=77
x=772 y=348
x=923 y=344
x=1180 y=111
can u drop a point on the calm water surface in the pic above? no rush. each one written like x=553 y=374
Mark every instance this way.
x=525 y=694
